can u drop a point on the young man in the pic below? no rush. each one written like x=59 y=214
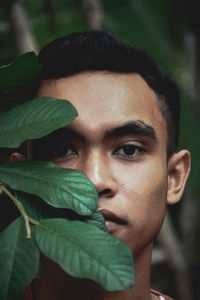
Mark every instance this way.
x=124 y=140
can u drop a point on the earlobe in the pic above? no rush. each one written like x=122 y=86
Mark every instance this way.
x=178 y=171
x=17 y=157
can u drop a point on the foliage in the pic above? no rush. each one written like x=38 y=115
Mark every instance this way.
x=17 y=80
x=18 y=261
x=163 y=29
x=48 y=114
x=75 y=244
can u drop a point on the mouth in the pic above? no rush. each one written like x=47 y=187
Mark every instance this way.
x=111 y=219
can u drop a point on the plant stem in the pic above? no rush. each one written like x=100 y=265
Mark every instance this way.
x=27 y=219
x=29 y=149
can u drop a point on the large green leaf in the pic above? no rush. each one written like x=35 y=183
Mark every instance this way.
x=33 y=206
x=97 y=220
x=37 y=209
x=34 y=119
x=18 y=80
x=20 y=71
x=19 y=258
x=84 y=251
x=59 y=187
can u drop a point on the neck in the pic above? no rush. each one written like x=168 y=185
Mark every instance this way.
x=54 y=283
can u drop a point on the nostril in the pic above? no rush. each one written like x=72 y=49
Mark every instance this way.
x=105 y=192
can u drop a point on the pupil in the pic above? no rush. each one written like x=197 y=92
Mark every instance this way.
x=129 y=149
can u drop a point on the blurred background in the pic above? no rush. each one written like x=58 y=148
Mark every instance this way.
x=169 y=31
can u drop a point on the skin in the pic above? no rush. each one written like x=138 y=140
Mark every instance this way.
x=134 y=182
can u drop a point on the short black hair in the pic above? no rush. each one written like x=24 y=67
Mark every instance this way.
x=97 y=50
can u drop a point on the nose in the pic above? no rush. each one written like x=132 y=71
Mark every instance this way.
x=97 y=167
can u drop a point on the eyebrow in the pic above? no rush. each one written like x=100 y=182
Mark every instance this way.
x=138 y=127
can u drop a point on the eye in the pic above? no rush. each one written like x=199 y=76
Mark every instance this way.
x=129 y=150
x=64 y=151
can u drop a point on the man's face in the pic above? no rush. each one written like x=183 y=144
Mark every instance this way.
x=119 y=141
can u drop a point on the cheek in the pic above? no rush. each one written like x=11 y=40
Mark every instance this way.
x=144 y=198
x=147 y=181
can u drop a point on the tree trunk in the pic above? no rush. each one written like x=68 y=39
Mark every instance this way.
x=175 y=258
x=193 y=48
x=190 y=224
x=24 y=40
x=51 y=14
x=93 y=13
x=21 y=30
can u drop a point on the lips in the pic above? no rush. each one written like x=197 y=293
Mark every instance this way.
x=110 y=216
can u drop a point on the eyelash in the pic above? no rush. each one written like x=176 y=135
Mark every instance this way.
x=138 y=149
x=62 y=152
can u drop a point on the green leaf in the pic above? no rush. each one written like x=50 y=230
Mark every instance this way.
x=32 y=206
x=97 y=220
x=59 y=187
x=18 y=80
x=19 y=259
x=34 y=119
x=37 y=210
x=87 y=252
x=20 y=71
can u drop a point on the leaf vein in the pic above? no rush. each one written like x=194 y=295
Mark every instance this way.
x=61 y=236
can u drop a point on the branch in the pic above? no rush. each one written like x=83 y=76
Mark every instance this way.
x=27 y=219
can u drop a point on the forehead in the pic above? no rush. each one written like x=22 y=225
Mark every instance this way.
x=105 y=100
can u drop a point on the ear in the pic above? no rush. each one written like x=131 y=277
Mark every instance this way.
x=178 y=171
x=17 y=157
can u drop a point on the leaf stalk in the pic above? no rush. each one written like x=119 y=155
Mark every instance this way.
x=27 y=219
